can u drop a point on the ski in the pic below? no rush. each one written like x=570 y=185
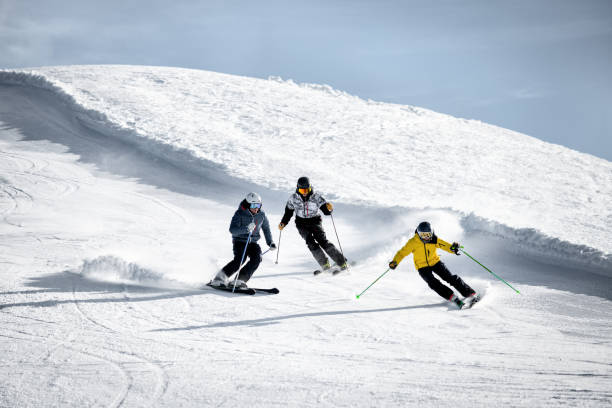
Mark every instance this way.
x=272 y=291
x=320 y=271
x=334 y=270
x=245 y=291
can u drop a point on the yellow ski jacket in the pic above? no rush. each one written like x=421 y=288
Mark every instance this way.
x=423 y=254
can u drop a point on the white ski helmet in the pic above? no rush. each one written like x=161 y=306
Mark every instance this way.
x=253 y=198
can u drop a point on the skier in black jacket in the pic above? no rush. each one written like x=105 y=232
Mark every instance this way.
x=306 y=204
x=247 y=221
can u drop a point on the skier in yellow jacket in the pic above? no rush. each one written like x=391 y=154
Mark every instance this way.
x=423 y=246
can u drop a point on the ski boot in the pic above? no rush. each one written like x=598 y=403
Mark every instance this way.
x=455 y=299
x=220 y=279
x=340 y=268
x=471 y=300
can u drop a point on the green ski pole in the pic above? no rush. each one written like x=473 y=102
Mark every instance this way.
x=490 y=271
x=372 y=284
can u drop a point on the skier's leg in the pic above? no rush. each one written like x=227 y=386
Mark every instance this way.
x=319 y=236
x=234 y=264
x=442 y=271
x=313 y=246
x=437 y=286
x=254 y=253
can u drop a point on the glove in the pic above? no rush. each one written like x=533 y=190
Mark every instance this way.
x=273 y=247
x=251 y=227
x=330 y=207
x=281 y=226
x=392 y=264
x=455 y=248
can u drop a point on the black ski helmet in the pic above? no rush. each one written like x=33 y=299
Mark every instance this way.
x=303 y=182
x=425 y=232
x=303 y=187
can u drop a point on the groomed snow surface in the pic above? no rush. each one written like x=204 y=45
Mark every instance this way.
x=117 y=188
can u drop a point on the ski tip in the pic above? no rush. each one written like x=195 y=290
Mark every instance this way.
x=357 y=296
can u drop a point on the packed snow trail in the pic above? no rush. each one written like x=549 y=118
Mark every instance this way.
x=103 y=248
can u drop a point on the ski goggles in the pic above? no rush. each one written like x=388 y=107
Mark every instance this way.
x=426 y=236
x=304 y=191
x=255 y=205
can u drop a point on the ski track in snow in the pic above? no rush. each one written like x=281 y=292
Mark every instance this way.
x=100 y=303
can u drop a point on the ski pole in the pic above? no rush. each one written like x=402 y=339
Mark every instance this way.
x=242 y=259
x=490 y=271
x=340 y=245
x=372 y=284
x=266 y=251
x=280 y=234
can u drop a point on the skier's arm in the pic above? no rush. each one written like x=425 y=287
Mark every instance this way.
x=444 y=245
x=236 y=227
x=402 y=253
x=266 y=230
x=327 y=208
x=287 y=216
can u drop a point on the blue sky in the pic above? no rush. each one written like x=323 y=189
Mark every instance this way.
x=538 y=67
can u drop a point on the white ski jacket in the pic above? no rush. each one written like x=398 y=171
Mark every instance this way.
x=307 y=208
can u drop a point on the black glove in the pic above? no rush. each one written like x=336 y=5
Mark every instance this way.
x=392 y=264
x=455 y=248
x=273 y=247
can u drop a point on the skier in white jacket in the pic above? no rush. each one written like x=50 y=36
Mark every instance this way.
x=306 y=204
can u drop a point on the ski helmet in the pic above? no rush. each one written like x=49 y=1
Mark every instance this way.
x=303 y=185
x=425 y=231
x=254 y=200
x=303 y=182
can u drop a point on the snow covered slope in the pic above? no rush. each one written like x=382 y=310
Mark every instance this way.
x=269 y=132
x=117 y=185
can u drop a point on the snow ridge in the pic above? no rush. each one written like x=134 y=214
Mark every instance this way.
x=530 y=242
x=101 y=123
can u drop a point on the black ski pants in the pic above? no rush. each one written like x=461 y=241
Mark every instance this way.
x=317 y=243
x=441 y=289
x=253 y=252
